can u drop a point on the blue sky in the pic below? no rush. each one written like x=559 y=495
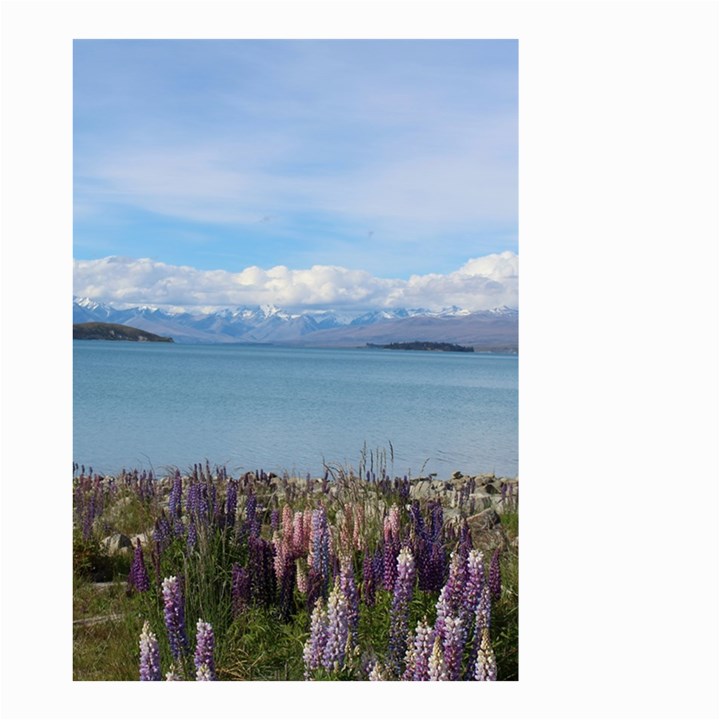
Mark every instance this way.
x=394 y=158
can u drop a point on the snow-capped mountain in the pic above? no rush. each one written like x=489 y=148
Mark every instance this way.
x=270 y=324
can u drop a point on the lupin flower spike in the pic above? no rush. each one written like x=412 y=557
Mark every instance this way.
x=149 y=654
x=204 y=651
x=175 y=616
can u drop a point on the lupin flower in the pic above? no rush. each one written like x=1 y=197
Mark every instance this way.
x=149 y=654
x=390 y=553
x=138 y=577
x=377 y=672
x=494 y=579
x=173 y=674
x=436 y=663
x=399 y=609
x=301 y=578
x=419 y=668
x=453 y=644
x=174 y=603
x=275 y=520
x=204 y=651
x=298 y=535
x=337 y=630
x=315 y=644
x=280 y=555
x=320 y=544
x=349 y=588
x=482 y=618
x=204 y=673
x=192 y=536
x=240 y=589
x=475 y=579
x=486 y=665
x=391 y=525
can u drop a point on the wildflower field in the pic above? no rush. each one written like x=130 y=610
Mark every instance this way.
x=354 y=576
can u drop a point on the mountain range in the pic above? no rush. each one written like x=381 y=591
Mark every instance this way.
x=491 y=330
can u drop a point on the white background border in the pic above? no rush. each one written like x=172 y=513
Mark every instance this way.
x=619 y=358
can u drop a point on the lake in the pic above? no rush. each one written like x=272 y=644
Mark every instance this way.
x=158 y=406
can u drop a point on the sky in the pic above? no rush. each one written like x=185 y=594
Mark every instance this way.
x=304 y=173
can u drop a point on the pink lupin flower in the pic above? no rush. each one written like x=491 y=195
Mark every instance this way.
x=301 y=577
x=298 y=536
x=279 y=560
x=287 y=521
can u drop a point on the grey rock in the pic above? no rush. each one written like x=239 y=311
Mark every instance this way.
x=484 y=520
x=117 y=542
x=422 y=490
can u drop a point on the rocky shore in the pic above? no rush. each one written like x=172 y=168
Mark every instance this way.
x=478 y=499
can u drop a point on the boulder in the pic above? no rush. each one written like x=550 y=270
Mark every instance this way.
x=117 y=542
x=422 y=490
x=484 y=520
x=143 y=537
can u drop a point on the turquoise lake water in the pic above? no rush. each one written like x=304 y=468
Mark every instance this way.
x=158 y=406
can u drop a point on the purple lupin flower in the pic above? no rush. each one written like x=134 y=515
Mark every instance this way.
x=192 y=535
x=315 y=644
x=399 y=610
x=485 y=665
x=349 y=588
x=456 y=582
x=204 y=651
x=174 y=603
x=453 y=644
x=419 y=649
x=390 y=553
x=162 y=533
x=149 y=654
x=494 y=579
x=240 y=589
x=138 y=577
x=320 y=544
x=274 y=519
x=482 y=618
x=475 y=579
x=337 y=630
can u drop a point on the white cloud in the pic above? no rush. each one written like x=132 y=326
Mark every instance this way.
x=482 y=283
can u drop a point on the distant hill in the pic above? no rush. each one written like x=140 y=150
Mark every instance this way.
x=112 y=331
x=486 y=330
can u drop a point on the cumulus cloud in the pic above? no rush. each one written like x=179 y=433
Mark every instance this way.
x=481 y=283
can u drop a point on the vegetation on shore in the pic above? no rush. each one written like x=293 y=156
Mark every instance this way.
x=113 y=331
x=424 y=345
x=347 y=577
